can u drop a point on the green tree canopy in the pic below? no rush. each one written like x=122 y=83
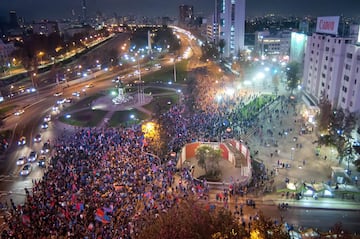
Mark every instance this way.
x=190 y=219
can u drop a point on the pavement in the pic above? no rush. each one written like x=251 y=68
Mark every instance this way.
x=295 y=150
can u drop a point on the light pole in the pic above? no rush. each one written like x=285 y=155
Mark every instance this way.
x=174 y=69
x=292 y=153
x=140 y=90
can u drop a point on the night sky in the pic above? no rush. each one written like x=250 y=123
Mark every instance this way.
x=57 y=9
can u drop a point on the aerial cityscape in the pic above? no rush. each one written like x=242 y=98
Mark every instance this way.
x=199 y=119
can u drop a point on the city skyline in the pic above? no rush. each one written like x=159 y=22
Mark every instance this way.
x=43 y=9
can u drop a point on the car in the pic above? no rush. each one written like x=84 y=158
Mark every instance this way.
x=26 y=170
x=60 y=101
x=32 y=156
x=46 y=148
x=44 y=125
x=77 y=94
x=58 y=94
x=19 y=112
x=22 y=141
x=37 y=138
x=21 y=161
x=47 y=118
x=89 y=86
x=68 y=100
x=42 y=161
x=55 y=108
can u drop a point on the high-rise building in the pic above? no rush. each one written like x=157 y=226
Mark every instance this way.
x=230 y=20
x=186 y=14
x=332 y=70
x=83 y=9
x=13 y=20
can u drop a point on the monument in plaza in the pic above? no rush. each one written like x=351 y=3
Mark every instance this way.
x=122 y=97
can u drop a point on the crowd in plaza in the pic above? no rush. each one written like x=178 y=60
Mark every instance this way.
x=103 y=182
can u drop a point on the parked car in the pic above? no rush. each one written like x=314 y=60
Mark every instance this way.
x=22 y=141
x=26 y=170
x=21 y=160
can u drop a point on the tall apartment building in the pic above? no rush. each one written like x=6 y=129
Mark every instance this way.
x=229 y=19
x=331 y=69
x=186 y=14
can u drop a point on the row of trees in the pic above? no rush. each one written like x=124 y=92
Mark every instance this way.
x=191 y=219
x=336 y=127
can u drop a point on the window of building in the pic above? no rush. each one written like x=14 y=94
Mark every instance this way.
x=327 y=48
x=355 y=82
x=358 y=57
x=330 y=69
x=331 y=59
x=351 y=104
x=339 y=41
x=326 y=58
x=344 y=89
x=347 y=67
x=346 y=78
x=322 y=84
x=323 y=75
x=349 y=55
x=325 y=67
x=333 y=50
x=343 y=99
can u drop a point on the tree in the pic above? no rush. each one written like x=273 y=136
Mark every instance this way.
x=190 y=219
x=201 y=155
x=265 y=228
x=323 y=117
x=292 y=74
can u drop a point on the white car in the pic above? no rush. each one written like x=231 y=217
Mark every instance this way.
x=37 y=138
x=22 y=141
x=19 y=112
x=47 y=118
x=61 y=101
x=89 y=86
x=26 y=170
x=77 y=94
x=21 y=161
x=58 y=93
x=32 y=156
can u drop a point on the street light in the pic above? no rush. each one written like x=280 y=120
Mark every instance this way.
x=41 y=54
x=292 y=153
x=174 y=61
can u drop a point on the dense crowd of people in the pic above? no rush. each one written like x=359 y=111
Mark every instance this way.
x=103 y=182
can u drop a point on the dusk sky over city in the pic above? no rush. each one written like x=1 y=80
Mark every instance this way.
x=41 y=9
